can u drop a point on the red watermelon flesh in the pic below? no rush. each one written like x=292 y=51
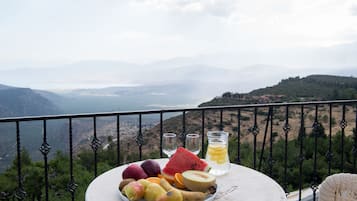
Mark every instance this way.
x=183 y=160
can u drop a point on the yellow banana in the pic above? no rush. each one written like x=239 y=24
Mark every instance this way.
x=187 y=195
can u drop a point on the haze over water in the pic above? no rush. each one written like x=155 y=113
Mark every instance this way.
x=237 y=45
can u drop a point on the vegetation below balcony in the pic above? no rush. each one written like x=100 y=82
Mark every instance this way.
x=83 y=167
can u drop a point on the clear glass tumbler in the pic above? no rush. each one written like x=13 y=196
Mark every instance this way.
x=193 y=143
x=169 y=144
x=217 y=152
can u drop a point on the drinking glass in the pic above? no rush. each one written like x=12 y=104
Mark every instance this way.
x=217 y=152
x=169 y=144
x=193 y=143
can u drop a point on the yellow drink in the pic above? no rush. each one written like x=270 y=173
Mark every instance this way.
x=217 y=152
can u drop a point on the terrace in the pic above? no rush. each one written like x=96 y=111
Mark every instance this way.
x=298 y=144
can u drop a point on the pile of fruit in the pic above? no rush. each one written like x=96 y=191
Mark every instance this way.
x=184 y=178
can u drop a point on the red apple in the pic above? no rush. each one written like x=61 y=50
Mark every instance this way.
x=134 y=171
x=151 y=168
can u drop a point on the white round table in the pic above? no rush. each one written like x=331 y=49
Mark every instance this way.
x=241 y=184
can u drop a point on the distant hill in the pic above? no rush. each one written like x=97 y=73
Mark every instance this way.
x=313 y=87
x=23 y=102
x=51 y=96
x=4 y=86
x=16 y=102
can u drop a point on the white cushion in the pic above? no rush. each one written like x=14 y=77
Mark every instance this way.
x=339 y=187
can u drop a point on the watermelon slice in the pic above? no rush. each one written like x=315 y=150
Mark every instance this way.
x=181 y=161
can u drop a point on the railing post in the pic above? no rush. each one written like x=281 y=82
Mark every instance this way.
x=139 y=138
x=286 y=129
x=20 y=193
x=203 y=133
x=354 y=149
x=315 y=130
x=271 y=160
x=329 y=153
x=118 y=140
x=301 y=156
x=255 y=131
x=95 y=144
x=161 y=133
x=183 y=134
x=221 y=120
x=71 y=186
x=238 y=135
x=45 y=149
x=343 y=125
x=265 y=136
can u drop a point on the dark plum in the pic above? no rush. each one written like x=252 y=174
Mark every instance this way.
x=151 y=168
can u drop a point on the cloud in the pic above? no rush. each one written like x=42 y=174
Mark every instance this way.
x=158 y=94
x=220 y=8
x=354 y=10
x=144 y=31
x=171 y=106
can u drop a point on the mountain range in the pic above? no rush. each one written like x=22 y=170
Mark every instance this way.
x=16 y=101
x=313 y=87
x=310 y=88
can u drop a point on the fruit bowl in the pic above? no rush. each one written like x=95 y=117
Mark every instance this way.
x=208 y=198
x=201 y=185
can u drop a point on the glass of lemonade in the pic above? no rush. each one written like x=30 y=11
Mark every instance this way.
x=217 y=152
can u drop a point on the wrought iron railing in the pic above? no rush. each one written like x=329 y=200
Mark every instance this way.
x=259 y=158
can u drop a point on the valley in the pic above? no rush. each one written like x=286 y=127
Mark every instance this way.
x=128 y=98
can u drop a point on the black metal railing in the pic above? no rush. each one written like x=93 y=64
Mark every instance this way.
x=260 y=147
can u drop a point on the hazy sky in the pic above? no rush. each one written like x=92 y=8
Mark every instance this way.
x=223 y=33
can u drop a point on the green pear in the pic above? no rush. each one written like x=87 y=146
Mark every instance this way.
x=134 y=191
x=144 y=182
x=153 y=192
